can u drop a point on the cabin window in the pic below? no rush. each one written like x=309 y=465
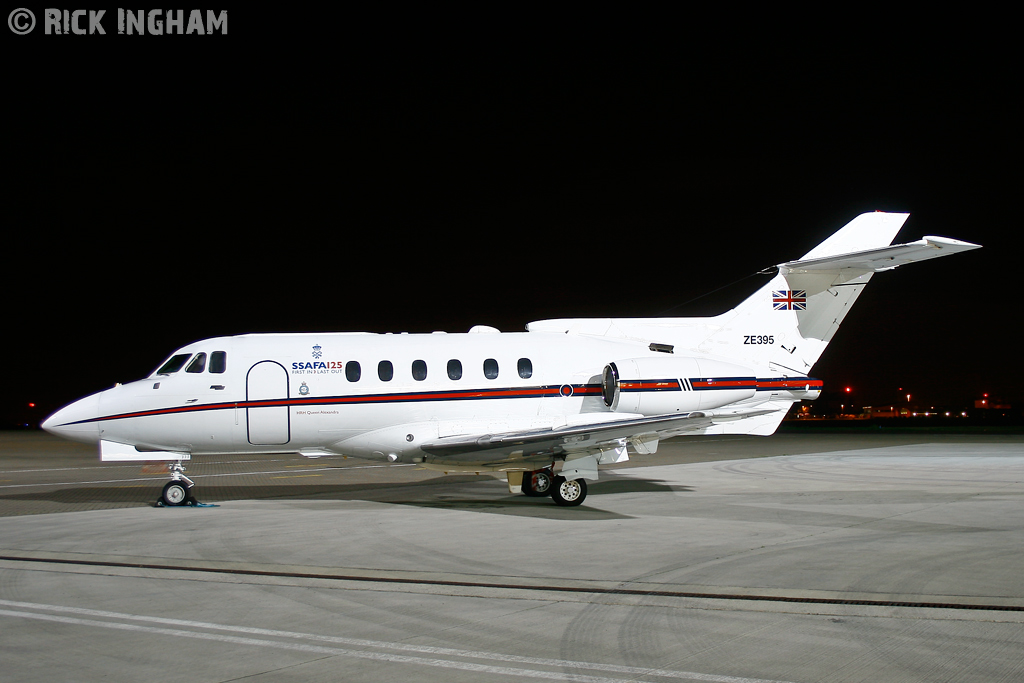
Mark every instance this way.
x=454 y=369
x=174 y=364
x=198 y=364
x=419 y=370
x=219 y=361
x=352 y=371
x=385 y=370
x=525 y=368
x=491 y=368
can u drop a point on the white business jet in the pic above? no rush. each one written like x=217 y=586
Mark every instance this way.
x=542 y=408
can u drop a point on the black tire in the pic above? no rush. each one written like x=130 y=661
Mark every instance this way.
x=175 y=493
x=568 y=492
x=537 y=484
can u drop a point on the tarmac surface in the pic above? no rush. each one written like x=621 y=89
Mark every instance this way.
x=796 y=558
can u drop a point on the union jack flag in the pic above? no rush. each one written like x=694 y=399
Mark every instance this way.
x=790 y=300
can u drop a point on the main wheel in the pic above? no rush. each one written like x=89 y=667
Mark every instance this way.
x=568 y=491
x=174 y=493
x=537 y=484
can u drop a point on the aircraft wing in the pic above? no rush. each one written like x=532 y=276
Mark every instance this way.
x=642 y=432
x=885 y=258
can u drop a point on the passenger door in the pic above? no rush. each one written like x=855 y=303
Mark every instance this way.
x=267 y=425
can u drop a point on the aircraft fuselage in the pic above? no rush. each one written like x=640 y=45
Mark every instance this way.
x=324 y=393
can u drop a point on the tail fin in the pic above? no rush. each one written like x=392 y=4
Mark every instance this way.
x=787 y=324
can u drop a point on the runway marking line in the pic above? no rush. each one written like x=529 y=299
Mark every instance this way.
x=436 y=660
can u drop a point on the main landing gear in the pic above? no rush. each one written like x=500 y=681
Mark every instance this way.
x=538 y=484
x=178 y=491
x=568 y=492
x=543 y=482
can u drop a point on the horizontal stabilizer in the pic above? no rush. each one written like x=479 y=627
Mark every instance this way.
x=884 y=258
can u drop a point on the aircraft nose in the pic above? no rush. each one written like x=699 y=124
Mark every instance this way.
x=76 y=421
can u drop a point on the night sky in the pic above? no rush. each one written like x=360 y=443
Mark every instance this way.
x=168 y=189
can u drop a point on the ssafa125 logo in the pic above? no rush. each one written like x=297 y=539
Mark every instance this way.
x=317 y=366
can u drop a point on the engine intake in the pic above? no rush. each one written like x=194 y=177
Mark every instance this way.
x=656 y=386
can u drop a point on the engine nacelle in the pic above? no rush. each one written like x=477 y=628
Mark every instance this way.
x=656 y=386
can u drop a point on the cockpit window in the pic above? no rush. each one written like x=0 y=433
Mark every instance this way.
x=174 y=364
x=198 y=364
x=219 y=361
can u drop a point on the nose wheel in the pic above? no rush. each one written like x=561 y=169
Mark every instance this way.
x=174 y=493
x=178 y=491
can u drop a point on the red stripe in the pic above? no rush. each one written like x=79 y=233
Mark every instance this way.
x=578 y=390
x=789 y=383
x=648 y=385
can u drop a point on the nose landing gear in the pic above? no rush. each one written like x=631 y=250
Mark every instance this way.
x=178 y=491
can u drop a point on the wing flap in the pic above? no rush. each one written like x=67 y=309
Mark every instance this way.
x=586 y=438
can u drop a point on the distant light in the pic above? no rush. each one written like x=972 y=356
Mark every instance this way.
x=31 y=405
x=848 y=389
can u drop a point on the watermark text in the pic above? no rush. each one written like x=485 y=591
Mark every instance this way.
x=153 y=22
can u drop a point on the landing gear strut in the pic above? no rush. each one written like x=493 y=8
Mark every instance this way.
x=178 y=491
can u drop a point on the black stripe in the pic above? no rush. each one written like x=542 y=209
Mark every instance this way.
x=514 y=586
